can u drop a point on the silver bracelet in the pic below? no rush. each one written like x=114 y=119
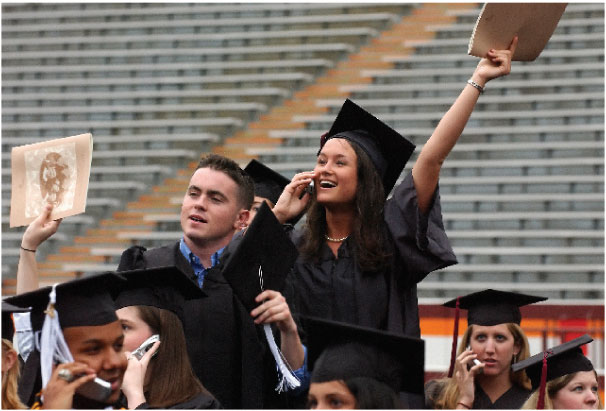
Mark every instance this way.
x=476 y=85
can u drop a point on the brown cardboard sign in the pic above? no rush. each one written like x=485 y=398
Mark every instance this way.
x=55 y=171
x=499 y=23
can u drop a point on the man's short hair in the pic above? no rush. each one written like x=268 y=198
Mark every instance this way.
x=246 y=187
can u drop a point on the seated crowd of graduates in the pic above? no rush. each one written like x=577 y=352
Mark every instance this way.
x=244 y=311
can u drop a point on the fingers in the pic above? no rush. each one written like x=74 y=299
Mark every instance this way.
x=302 y=180
x=513 y=45
x=273 y=309
x=79 y=371
x=46 y=212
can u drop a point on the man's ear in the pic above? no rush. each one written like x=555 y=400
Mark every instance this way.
x=241 y=219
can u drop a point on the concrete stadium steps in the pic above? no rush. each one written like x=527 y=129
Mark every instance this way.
x=246 y=73
x=541 y=218
x=346 y=72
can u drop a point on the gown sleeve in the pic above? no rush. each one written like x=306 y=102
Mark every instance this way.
x=419 y=238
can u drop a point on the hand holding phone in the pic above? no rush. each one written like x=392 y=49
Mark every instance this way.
x=475 y=362
x=145 y=347
x=97 y=389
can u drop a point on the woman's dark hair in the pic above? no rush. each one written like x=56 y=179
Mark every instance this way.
x=370 y=238
x=372 y=394
x=172 y=379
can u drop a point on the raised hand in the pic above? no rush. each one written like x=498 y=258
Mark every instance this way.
x=496 y=64
x=465 y=377
x=134 y=377
x=40 y=229
x=294 y=199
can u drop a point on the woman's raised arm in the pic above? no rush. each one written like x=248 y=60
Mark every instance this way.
x=427 y=167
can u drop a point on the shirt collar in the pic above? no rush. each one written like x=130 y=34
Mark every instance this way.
x=190 y=256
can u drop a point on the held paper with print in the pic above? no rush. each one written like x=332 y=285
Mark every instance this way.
x=55 y=171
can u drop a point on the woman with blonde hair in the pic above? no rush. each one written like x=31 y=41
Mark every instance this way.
x=10 y=360
x=481 y=377
x=570 y=381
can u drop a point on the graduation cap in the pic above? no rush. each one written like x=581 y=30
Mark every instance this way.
x=163 y=287
x=388 y=150
x=262 y=260
x=83 y=302
x=339 y=351
x=492 y=307
x=269 y=184
x=8 y=327
x=556 y=362
x=499 y=23
x=488 y=307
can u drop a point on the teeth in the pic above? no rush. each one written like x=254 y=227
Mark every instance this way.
x=196 y=219
x=327 y=184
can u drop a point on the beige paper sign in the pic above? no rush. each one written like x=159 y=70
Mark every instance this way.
x=54 y=171
x=499 y=23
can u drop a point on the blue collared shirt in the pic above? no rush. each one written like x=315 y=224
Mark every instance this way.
x=195 y=262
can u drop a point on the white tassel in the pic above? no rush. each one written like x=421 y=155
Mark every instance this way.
x=52 y=343
x=287 y=379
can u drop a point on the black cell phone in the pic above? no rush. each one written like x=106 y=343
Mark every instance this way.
x=308 y=190
x=97 y=389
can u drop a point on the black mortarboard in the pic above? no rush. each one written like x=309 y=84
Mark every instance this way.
x=163 y=287
x=83 y=302
x=340 y=351
x=265 y=245
x=8 y=326
x=268 y=183
x=492 y=307
x=388 y=150
x=564 y=359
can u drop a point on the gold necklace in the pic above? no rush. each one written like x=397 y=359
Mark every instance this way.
x=335 y=240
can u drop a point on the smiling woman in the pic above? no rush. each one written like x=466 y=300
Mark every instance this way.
x=362 y=253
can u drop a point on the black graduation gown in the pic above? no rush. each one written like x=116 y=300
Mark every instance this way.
x=82 y=403
x=201 y=401
x=227 y=351
x=513 y=399
x=337 y=289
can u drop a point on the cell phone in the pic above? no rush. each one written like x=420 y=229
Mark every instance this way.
x=97 y=389
x=146 y=346
x=475 y=362
x=308 y=190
